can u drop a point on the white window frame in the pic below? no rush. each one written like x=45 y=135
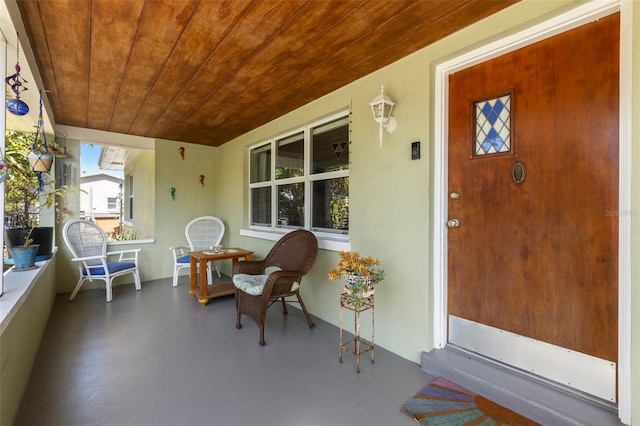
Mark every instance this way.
x=129 y=218
x=326 y=239
x=112 y=204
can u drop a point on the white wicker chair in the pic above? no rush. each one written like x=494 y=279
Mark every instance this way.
x=88 y=245
x=203 y=233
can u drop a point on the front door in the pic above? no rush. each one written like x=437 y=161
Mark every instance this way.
x=533 y=191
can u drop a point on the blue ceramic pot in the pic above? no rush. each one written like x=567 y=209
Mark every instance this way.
x=24 y=257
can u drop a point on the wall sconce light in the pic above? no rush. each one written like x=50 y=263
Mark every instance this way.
x=381 y=106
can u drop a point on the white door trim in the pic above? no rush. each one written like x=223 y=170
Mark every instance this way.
x=574 y=18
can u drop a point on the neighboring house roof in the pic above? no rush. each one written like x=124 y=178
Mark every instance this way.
x=99 y=176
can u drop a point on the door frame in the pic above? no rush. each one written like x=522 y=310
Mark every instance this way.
x=574 y=18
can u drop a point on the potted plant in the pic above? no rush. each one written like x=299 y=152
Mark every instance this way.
x=26 y=196
x=360 y=273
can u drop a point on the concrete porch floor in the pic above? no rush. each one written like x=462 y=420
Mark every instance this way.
x=156 y=357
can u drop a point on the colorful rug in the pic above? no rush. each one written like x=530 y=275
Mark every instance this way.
x=442 y=403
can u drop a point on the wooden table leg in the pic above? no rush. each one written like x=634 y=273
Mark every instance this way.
x=193 y=272
x=204 y=294
x=234 y=261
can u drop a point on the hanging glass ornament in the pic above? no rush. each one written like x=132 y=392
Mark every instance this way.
x=17 y=106
x=65 y=155
x=4 y=169
x=59 y=149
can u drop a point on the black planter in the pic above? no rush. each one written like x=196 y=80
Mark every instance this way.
x=42 y=235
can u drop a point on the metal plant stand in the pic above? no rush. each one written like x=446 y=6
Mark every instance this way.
x=359 y=346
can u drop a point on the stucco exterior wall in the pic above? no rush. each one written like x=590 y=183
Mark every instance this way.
x=20 y=340
x=192 y=199
x=142 y=167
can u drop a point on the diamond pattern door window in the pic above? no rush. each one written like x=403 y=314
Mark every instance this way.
x=493 y=126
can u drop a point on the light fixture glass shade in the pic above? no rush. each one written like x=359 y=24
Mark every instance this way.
x=381 y=107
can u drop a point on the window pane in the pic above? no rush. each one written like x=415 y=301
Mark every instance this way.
x=261 y=206
x=130 y=191
x=112 y=203
x=260 y=167
x=330 y=146
x=331 y=204
x=290 y=156
x=291 y=205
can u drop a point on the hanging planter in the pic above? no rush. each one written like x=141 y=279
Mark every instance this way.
x=40 y=158
x=40 y=162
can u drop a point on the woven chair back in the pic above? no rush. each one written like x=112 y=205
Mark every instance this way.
x=85 y=239
x=204 y=232
x=296 y=251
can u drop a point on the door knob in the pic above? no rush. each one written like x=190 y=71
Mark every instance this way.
x=453 y=223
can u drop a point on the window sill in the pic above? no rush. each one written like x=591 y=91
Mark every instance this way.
x=129 y=242
x=17 y=287
x=326 y=241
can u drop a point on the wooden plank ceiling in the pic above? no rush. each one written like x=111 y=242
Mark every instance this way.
x=206 y=71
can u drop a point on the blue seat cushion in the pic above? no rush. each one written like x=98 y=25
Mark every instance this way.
x=184 y=259
x=113 y=267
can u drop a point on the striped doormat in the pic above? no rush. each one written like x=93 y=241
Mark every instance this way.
x=443 y=402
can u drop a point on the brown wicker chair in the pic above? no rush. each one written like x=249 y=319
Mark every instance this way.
x=294 y=254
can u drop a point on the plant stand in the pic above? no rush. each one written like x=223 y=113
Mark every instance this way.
x=359 y=346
